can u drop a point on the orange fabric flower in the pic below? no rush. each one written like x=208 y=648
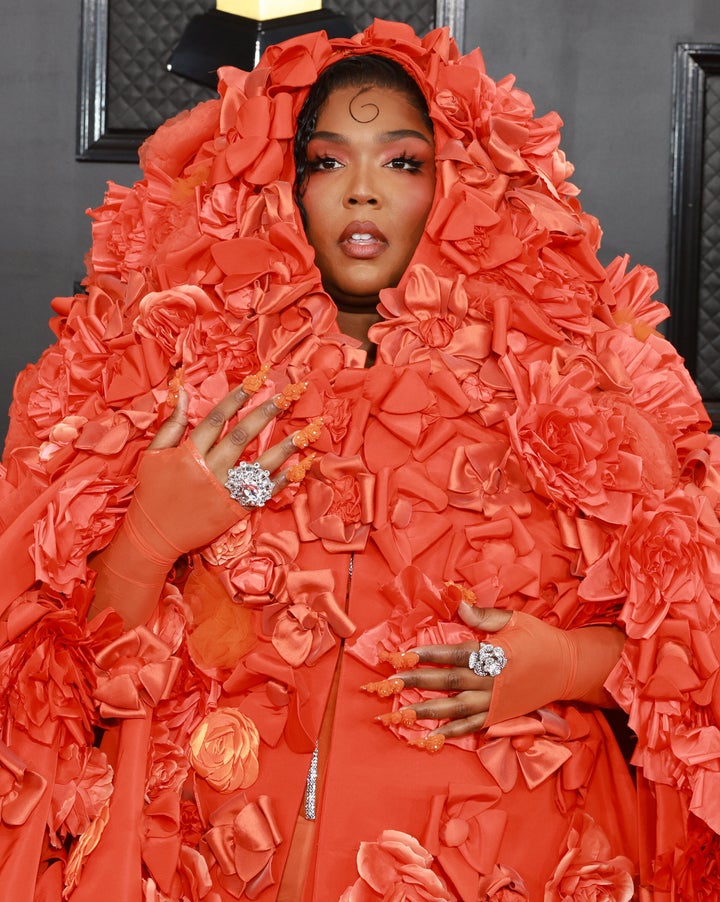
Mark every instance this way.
x=165 y=316
x=393 y=868
x=665 y=563
x=504 y=884
x=83 y=785
x=589 y=871
x=224 y=750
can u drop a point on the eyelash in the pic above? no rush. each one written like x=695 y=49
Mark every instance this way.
x=409 y=164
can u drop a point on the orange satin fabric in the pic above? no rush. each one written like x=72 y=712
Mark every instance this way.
x=525 y=435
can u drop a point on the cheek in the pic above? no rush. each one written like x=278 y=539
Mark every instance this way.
x=417 y=208
x=316 y=203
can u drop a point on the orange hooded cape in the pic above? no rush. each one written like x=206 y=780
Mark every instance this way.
x=526 y=436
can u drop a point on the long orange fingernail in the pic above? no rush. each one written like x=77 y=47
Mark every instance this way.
x=289 y=395
x=384 y=688
x=308 y=434
x=430 y=744
x=253 y=383
x=175 y=384
x=404 y=716
x=297 y=472
x=400 y=660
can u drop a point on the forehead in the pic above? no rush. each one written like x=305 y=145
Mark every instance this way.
x=370 y=105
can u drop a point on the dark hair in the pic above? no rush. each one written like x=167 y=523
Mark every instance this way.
x=362 y=71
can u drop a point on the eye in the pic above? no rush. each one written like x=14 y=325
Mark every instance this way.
x=324 y=164
x=405 y=163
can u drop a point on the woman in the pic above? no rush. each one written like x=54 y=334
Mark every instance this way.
x=525 y=463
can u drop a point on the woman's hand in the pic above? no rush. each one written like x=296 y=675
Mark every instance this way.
x=468 y=701
x=544 y=664
x=181 y=501
x=221 y=454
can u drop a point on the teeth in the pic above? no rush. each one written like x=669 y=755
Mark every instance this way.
x=361 y=236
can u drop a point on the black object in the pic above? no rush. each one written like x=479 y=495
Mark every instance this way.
x=216 y=39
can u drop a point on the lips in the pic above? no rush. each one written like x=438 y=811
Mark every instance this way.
x=362 y=240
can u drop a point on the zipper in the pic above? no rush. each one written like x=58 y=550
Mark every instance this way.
x=312 y=777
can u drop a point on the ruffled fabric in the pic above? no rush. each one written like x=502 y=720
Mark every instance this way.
x=526 y=435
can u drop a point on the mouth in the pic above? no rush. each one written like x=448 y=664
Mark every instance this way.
x=362 y=240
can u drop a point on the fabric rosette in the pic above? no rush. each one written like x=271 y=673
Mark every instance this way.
x=167 y=765
x=258 y=575
x=428 y=320
x=464 y=832
x=503 y=884
x=337 y=504
x=46 y=668
x=134 y=672
x=396 y=866
x=240 y=845
x=633 y=304
x=305 y=626
x=165 y=316
x=472 y=230
x=77 y=522
x=665 y=564
x=573 y=439
x=83 y=785
x=223 y=750
x=589 y=870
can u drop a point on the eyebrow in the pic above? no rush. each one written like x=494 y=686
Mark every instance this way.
x=384 y=138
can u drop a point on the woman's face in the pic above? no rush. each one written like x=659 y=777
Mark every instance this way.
x=371 y=181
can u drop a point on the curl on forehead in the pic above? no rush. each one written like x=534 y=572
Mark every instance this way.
x=363 y=72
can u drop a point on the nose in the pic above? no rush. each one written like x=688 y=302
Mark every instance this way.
x=361 y=197
x=361 y=188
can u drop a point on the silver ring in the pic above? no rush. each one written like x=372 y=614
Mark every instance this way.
x=250 y=484
x=489 y=660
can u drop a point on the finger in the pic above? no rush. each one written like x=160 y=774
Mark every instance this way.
x=488 y=620
x=446 y=679
x=275 y=457
x=448 y=655
x=224 y=455
x=208 y=430
x=461 y=727
x=458 y=707
x=172 y=430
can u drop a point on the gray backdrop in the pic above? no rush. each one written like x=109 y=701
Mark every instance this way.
x=605 y=65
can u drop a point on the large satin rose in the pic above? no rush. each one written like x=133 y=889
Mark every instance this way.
x=665 y=563
x=569 y=291
x=571 y=438
x=165 y=316
x=396 y=868
x=76 y=524
x=662 y=386
x=429 y=319
x=224 y=750
x=470 y=232
x=258 y=577
x=337 y=505
x=588 y=871
x=83 y=785
x=47 y=674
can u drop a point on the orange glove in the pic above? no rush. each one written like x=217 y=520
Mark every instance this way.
x=178 y=505
x=547 y=664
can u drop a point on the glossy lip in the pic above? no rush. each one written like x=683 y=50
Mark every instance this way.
x=362 y=250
